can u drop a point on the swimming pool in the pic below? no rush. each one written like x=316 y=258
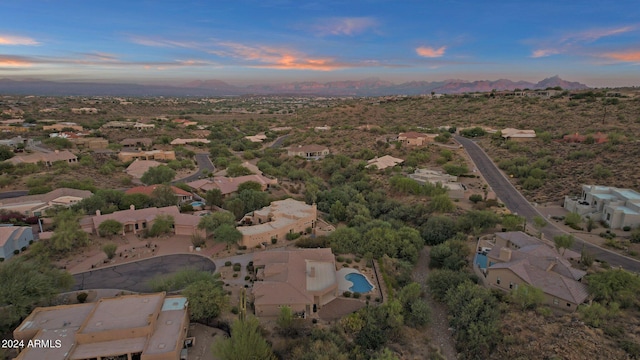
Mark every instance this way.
x=481 y=260
x=360 y=283
x=197 y=203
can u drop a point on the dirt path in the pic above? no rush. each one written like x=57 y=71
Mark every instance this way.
x=438 y=330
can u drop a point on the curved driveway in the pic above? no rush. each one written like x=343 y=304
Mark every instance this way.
x=204 y=163
x=518 y=204
x=135 y=276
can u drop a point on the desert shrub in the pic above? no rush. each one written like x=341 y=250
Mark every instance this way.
x=475 y=198
x=82 y=297
x=237 y=267
x=346 y=294
x=110 y=250
x=228 y=263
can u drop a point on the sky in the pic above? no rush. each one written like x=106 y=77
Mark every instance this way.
x=274 y=41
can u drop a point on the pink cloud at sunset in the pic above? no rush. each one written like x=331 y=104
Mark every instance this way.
x=17 y=40
x=14 y=62
x=430 y=52
x=625 y=56
x=544 y=52
x=277 y=58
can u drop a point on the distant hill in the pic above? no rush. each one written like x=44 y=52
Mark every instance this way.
x=366 y=87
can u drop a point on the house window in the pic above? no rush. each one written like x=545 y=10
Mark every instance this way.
x=498 y=280
x=555 y=301
x=568 y=305
x=608 y=217
x=136 y=226
x=510 y=285
x=144 y=225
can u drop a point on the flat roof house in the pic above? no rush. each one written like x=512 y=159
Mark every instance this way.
x=228 y=185
x=276 y=221
x=413 y=138
x=304 y=280
x=455 y=190
x=517 y=135
x=518 y=258
x=14 y=238
x=146 y=327
x=617 y=207
x=309 y=152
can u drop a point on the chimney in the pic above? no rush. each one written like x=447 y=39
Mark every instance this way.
x=132 y=207
x=505 y=254
x=552 y=264
x=98 y=213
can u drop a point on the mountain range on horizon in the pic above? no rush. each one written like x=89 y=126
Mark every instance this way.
x=365 y=87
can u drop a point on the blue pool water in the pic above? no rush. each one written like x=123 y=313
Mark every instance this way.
x=481 y=260
x=197 y=203
x=360 y=283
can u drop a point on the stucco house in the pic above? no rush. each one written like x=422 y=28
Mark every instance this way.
x=35 y=205
x=413 y=138
x=14 y=238
x=62 y=125
x=616 y=207
x=181 y=195
x=276 y=221
x=517 y=135
x=137 y=220
x=309 y=152
x=455 y=189
x=143 y=326
x=46 y=158
x=518 y=259
x=228 y=185
x=139 y=167
x=136 y=143
x=384 y=162
x=130 y=155
x=303 y=280
x=189 y=141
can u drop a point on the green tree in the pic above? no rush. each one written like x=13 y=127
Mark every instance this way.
x=210 y=223
x=138 y=200
x=513 y=222
x=563 y=242
x=25 y=284
x=158 y=175
x=539 y=223
x=207 y=299
x=227 y=234
x=441 y=280
x=246 y=342
x=163 y=195
x=527 y=297
x=474 y=315
x=249 y=185
x=338 y=211
x=441 y=204
x=438 y=229
x=162 y=224
x=615 y=286
x=572 y=219
x=67 y=234
x=475 y=198
x=214 y=197
x=452 y=255
x=5 y=153
x=237 y=170
x=110 y=250
x=345 y=240
x=109 y=228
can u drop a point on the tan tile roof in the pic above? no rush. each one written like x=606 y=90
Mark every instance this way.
x=286 y=276
x=135 y=215
x=412 y=135
x=139 y=167
x=135 y=141
x=45 y=198
x=229 y=185
x=384 y=162
x=148 y=190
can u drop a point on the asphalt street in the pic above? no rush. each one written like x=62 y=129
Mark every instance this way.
x=517 y=203
x=135 y=276
x=12 y=194
x=204 y=163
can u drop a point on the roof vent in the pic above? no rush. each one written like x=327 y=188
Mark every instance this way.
x=99 y=323
x=169 y=322
x=161 y=346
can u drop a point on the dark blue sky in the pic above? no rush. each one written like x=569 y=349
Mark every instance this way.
x=595 y=42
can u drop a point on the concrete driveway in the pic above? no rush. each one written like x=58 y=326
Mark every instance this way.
x=135 y=276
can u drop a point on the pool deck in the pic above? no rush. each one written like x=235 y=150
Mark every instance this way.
x=344 y=284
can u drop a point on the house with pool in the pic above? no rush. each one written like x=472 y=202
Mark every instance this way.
x=304 y=280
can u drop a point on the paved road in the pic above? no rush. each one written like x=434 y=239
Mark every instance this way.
x=518 y=204
x=12 y=194
x=278 y=142
x=204 y=163
x=136 y=276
